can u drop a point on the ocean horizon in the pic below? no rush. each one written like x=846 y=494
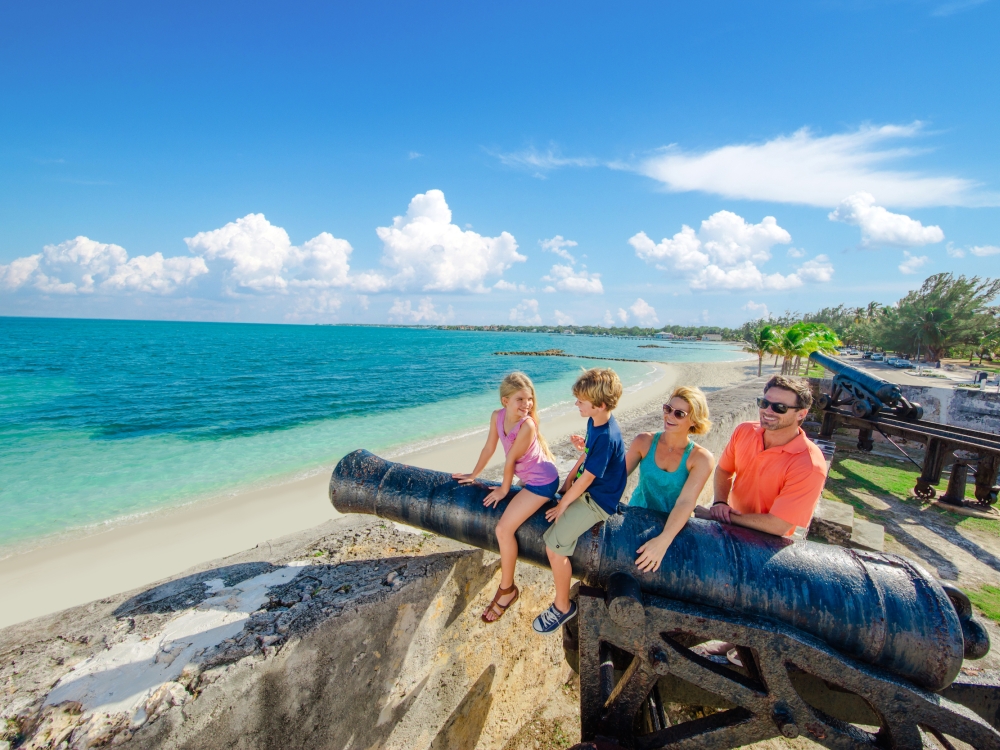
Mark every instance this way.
x=107 y=421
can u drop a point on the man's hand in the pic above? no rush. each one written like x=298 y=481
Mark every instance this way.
x=722 y=513
x=552 y=514
x=579 y=442
x=651 y=554
x=495 y=497
x=464 y=478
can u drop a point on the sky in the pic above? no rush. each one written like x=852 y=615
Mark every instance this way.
x=522 y=163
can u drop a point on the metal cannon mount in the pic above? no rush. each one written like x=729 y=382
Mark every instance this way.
x=869 y=404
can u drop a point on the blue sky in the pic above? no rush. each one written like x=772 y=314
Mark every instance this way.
x=414 y=162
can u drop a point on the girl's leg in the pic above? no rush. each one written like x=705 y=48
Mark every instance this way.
x=521 y=507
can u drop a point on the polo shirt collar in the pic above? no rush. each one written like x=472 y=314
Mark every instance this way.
x=796 y=445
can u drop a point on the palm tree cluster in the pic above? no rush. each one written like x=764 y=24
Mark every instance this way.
x=946 y=316
x=794 y=343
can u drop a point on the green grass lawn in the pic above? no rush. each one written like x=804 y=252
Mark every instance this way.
x=987 y=599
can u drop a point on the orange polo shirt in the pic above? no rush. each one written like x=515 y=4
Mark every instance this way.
x=785 y=481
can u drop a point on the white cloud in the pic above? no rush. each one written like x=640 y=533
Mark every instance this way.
x=568 y=279
x=794 y=252
x=984 y=250
x=85 y=266
x=509 y=286
x=948 y=9
x=955 y=252
x=414 y=155
x=881 y=227
x=550 y=159
x=262 y=258
x=526 y=313
x=425 y=312
x=424 y=250
x=912 y=263
x=558 y=246
x=757 y=308
x=623 y=315
x=724 y=253
x=609 y=320
x=562 y=319
x=644 y=313
x=812 y=170
x=315 y=304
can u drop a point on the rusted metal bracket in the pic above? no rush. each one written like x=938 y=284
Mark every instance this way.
x=634 y=669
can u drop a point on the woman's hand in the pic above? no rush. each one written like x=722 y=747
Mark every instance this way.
x=495 y=497
x=552 y=514
x=579 y=442
x=651 y=554
x=464 y=478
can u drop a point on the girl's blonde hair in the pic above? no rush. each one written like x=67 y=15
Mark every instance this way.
x=700 y=423
x=518 y=381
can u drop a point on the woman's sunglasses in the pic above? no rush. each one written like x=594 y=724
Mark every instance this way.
x=679 y=413
x=777 y=408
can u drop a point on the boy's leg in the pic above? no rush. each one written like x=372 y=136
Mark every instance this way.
x=562 y=572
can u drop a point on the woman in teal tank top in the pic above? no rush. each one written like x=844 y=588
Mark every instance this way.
x=673 y=469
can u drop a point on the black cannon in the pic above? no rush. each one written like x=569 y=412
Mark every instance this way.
x=824 y=636
x=858 y=399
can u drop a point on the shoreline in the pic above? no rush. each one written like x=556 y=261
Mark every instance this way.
x=79 y=570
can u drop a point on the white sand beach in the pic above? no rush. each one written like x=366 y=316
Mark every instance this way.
x=83 y=569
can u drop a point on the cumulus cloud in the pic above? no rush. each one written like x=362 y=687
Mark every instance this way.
x=609 y=319
x=568 y=279
x=643 y=313
x=526 y=313
x=724 y=254
x=558 y=245
x=402 y=311
x=794 y=252
x=509 y=286
x=757 y=308
x=912 y=263
x=424 y=250
x=882 y=227
x=984 y=250
x=623 y=315
x=262 y=258
x=562 y=319
x=315 y=304
x=85 y=266
x=812 y=170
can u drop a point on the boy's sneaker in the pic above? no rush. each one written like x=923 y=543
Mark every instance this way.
x=550 y=620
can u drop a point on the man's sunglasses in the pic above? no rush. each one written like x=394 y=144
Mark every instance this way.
x=679 y=413
x=777 y=408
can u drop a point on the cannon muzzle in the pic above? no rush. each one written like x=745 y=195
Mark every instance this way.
x=879 y=608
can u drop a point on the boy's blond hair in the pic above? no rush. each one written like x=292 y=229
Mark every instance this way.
x=600 y=386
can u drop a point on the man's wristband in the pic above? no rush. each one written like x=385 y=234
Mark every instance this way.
x=719 y=502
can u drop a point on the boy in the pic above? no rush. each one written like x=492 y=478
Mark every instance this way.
x=591 y=491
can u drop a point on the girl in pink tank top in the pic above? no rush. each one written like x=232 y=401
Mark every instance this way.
x=515 y=426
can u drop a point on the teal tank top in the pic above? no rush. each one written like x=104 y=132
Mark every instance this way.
x=659 y=489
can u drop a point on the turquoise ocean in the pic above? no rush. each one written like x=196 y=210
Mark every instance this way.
x=104 y=421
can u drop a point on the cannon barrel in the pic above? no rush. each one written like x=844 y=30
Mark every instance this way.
x=886 y=392
x=879 y=608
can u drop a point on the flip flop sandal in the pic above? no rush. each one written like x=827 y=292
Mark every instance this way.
x=497 y=608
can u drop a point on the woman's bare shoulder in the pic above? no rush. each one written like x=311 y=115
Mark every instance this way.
x=701 y=455
x=642 y=441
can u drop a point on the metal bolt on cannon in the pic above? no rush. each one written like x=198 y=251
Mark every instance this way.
x=844 y=647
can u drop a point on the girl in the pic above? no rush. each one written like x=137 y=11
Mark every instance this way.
x=672 y=469
x=528 y=456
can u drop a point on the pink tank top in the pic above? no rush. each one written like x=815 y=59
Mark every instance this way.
x=533 y=467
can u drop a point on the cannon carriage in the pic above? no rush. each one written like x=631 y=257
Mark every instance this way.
x=847 y=648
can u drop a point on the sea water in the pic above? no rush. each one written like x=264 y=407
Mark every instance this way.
x=102 y=421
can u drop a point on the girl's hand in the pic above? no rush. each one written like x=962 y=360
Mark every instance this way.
x=495 y=497
x=579 y=442
x=651 y=554
x=464 y=478
x=552 y=514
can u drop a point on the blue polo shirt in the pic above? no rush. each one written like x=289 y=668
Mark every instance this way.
x=606 y=461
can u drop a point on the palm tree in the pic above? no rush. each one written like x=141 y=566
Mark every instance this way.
x=759 y=340
x=802 y=339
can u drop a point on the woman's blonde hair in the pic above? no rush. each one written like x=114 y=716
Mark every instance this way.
x=518 y=381
x=700 y=423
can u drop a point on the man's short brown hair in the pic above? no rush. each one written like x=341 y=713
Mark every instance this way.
x=798 y=386
x=600 y=386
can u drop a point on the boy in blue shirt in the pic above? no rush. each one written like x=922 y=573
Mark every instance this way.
x=592 y=489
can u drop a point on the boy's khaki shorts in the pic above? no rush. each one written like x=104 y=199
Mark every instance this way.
x=578 y=518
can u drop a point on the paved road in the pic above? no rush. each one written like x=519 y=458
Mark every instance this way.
x=947 y=379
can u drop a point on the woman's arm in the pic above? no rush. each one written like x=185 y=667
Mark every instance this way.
x=637 y=450
x=484 y=457
x=699 y=465
x=521 y=444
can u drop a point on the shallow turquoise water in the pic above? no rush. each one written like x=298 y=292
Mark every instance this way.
x=101 y=420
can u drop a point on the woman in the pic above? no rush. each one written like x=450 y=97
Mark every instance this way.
x=673 y=469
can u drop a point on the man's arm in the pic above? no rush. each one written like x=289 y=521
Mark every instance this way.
x=723 y=485
x=761 y=522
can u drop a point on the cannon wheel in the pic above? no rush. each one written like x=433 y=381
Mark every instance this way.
x=924 y=491
x=764 y=701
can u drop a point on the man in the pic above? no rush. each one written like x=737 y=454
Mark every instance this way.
x=770 y=475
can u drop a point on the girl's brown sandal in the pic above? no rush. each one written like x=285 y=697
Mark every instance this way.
x=497 y=608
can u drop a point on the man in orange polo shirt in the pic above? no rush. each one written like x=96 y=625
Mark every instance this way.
x=771 y=475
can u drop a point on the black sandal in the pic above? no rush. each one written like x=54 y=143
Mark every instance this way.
x=498 y=608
